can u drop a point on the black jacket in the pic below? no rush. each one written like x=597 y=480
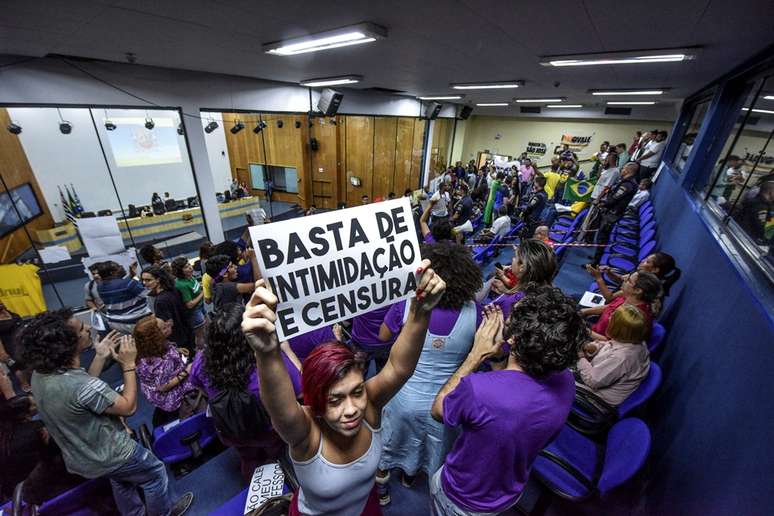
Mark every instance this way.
x=619 y=196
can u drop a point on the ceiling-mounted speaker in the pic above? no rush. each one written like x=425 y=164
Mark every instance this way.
x=465 y=112
x=329 y=102
x=432 y=110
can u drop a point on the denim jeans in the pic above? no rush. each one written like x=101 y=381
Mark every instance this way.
x=442 y=505
x=143 y=472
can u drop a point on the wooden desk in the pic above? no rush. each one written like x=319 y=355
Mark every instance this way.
x=145 y=227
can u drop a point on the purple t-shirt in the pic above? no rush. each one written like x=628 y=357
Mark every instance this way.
x=506 y=418
x=365 y=328
x=506 y=302
x=442 y=320
x=428 y=239
x=304 y=344
x=200 y=379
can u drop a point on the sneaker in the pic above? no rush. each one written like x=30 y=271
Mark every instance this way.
x=182 y=504
x=407 y=480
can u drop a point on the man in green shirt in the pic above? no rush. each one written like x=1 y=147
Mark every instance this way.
x=623 y=155
x=82 y=413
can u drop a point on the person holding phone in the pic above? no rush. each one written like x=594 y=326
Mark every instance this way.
x=335 y=437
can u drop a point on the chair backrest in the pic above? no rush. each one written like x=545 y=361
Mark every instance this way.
x=657 y=335
x=642 y=393
x=628 y=445
x=646 y=249
x=180 y=441
x=647 y=234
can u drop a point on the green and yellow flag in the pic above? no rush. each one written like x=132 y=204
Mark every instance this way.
x=578 y=190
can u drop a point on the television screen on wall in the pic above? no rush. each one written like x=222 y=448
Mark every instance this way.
x=26 y=208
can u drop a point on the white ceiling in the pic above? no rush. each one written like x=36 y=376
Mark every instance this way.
x=430 y=43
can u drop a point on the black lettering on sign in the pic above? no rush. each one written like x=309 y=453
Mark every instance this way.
x=269 y=249
x=315 y=236
x=296 y=249
x=356 y=234
x=287 y=322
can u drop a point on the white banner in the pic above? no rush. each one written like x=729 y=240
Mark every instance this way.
x=329 y=267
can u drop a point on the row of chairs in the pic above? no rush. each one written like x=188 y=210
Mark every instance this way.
x=602 y=447
x=564 y=230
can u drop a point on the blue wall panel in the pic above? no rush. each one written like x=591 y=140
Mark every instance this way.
x=713 y=418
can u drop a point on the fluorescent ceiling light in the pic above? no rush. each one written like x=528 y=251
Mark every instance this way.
x=564 y=106
x=442 y=97
x=342 y=37
x=769 y=97
x=632 y=103
x=767 y=111
x=332 y=81
x=527 y=101
x=492 y=104
x=670 y=55
x=486 y=86
x=627 y=92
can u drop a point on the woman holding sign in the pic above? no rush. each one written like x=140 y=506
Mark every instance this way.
x=335 y=437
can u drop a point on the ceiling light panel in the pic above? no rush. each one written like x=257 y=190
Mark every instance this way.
x=631 y=103
x=336 y=38
x=557 y=106
x=492 y=104
x=442 y=97
x=607 y=93
x=486 y=85
x=527 y=101
x=671 y=55
x=332 y=81
x=766 y=111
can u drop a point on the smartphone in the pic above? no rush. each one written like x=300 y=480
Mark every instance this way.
x=597 y=299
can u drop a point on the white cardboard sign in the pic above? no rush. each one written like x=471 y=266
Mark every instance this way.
x=268 y=481
x=332 y=266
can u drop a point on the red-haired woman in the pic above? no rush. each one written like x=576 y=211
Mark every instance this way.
x=340 y=409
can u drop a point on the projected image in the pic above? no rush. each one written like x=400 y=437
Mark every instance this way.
x=135 y=146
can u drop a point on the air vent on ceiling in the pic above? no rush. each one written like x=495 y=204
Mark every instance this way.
x=618 y=111
x=530 y=109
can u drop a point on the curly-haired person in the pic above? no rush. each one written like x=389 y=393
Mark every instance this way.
x=414 y=441
x=81 y=412
x=506 y=417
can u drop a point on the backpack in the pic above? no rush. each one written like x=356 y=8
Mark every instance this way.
x=238 y=414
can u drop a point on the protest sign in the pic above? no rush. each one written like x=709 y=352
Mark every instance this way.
x=332 y=266
x=268 y=481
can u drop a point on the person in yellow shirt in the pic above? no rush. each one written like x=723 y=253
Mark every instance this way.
x=21 y=290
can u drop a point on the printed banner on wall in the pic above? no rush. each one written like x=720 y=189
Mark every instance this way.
x=576 y=142
x=329 y=267
x=536 y=150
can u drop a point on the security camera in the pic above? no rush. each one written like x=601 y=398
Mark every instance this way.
x=65 y=127
x=557 y=84
x=14 y=128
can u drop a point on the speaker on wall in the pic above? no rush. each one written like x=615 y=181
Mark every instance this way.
x=329 y=102
x=465 y=112
x=432 y=110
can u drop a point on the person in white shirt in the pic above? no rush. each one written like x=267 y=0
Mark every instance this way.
x=651 y=155
x=609 y=175
x=500 y=226
x=441 y=207
x=642 y=195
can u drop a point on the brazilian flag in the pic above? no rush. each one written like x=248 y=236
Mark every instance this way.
x=578 y=190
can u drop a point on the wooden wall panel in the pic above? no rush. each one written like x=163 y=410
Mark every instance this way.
x=324 y=174
x=285 y=146
x=404 y=143
x=416 y=153
x=359 y=157
x=384 y=156
x=16 y=171
x=440 y=147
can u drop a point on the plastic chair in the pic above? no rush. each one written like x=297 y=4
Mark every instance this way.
x=657 y=335
x=643 y=393
x=575 y=468
x=629 y=263
x=178 y=442
x=70 y=502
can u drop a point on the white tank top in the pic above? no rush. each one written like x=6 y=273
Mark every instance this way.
x=338 y=489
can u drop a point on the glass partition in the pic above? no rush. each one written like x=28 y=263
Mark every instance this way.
x=107 y=182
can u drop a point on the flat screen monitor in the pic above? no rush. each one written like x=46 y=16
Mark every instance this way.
x=26 y=205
